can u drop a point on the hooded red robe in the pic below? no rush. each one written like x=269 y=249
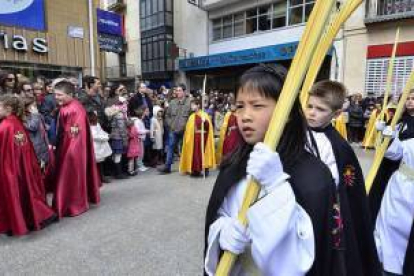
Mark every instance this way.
x=22 y=203
x=77 y=179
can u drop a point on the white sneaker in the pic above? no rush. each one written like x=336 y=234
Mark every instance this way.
x=143 y=169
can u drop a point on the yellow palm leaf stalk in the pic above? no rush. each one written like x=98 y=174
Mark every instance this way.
x=345 y=12
x=202 y=126
x=388 y=86
x=300 y=64
x=383 y=147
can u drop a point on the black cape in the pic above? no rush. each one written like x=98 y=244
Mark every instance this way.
x=360 y=255
x=387 y=168
x=313 y=186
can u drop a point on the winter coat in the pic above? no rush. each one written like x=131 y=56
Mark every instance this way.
x=356 y=115
x=100 y=143
x=37 y=133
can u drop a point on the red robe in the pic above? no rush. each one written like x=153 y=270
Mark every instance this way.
x=77 y=179
x=197 y=166
x=232 y=138
x=23 y=206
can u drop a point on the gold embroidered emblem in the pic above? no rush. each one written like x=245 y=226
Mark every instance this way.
x=20 y=138
x=74 y=130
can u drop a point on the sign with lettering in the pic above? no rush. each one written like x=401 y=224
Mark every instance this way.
x=20 y=43
x=257 y=55
x=23 y=13
x=109 y=23
x=110 y=43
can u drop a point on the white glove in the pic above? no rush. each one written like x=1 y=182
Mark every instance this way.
x=380 y=125
x=388 y=132
x=265 y=166
x=234 y=237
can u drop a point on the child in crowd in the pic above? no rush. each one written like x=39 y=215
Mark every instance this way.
x=142 y=132
x=23 y=204
x=198 y=136
x=353 y=230
x=229 y=134
x=135 y=149
x=148 y=156
x=157 y=134
x=119 y=134
x=100 y=143
x=392 y=198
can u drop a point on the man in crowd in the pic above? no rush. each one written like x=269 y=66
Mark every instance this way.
x=140 y=99
x=176 y=117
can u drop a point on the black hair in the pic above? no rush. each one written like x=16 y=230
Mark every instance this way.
x=88 y=81
x=268 y=80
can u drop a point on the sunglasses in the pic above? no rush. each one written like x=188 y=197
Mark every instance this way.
x=28 y=90
x=10 y=79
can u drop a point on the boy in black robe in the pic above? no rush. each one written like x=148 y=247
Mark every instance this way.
x=354 y=246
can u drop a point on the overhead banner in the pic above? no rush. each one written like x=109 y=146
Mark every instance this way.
x=23 y=13
x=110 y=43
x=109 y=23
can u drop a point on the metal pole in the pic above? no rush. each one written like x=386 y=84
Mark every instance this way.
x=91 y=37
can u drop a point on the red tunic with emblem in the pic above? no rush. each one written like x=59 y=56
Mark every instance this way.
x=77 y=178
x=22 y=204
x=232 y=138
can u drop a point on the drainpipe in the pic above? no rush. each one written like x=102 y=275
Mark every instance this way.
x=91 y=37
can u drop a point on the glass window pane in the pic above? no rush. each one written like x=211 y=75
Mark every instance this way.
x=168 y=6
x=308 y=10
x=295 y=15
x=279 y=9
x=156 y=65
x=296 y=2
x=251 y=25
x=216 y=23
x=162 y=65
x=227 y=31
x=239 y=28
x=265 y=9
x=310 y=1
x=148 y=7
x=169 y=19
x=161 y=5
x=228 y=20
x=251 y=13
x=149 y=51
x=264 y=22
x=279 y=22
x=216 y=33
x=239 y=16
x=154 y=6
x=170 y=65
x=154 y=20
x=150 y=66
x=161 y=21
x=162 y=48
x=142 y=10
x=148 y=23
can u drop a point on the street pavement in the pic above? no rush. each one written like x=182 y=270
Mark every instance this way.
x=147 y=225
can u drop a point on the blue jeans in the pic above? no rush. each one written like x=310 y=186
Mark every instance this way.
x=174 y=139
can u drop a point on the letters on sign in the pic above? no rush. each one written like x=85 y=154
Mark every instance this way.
x=20 y=43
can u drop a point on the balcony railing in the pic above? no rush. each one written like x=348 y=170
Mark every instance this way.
x=385 y=10
x=117 y=72
x=116 y=5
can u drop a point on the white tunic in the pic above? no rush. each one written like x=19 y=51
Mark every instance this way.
x=395 y=218
x=281 y=233
x=326 y=153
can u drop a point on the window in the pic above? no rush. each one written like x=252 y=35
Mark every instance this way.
x=251 y=21
x=299 y=11
x=279 y=15
x=377 y=70
x=228 y=26
x=217 y=29
x=265 y=18
x=239 y=24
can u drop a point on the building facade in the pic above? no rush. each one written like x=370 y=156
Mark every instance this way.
x=241 y=34
x=123 y=64
x=368 y=40
x=48 y=38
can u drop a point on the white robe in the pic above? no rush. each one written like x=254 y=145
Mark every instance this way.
x=280 y=230
x=395 y=217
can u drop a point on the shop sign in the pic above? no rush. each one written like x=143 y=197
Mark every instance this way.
x=110 y=43
x=109 y=23
x=20 y=43
x=257 y=55
x=23 y=13
x=76 y=32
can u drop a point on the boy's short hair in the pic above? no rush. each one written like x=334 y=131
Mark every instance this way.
x=332 y=93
